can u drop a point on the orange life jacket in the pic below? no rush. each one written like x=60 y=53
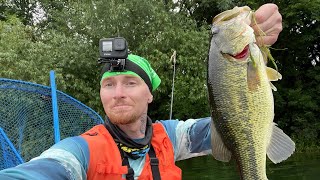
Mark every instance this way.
x=105 y=159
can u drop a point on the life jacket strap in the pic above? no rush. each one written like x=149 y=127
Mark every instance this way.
x=125 y=162
x=154 y=162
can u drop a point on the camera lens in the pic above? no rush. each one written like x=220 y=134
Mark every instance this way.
x=107 y=46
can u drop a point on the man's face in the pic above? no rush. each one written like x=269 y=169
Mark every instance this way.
x=125 y=98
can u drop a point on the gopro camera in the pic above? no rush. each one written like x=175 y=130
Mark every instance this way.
x=113 y=51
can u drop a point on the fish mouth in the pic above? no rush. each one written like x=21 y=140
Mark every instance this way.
x=243 y=55
x=230 y=14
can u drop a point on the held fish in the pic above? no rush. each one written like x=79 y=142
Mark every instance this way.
x=241 y=99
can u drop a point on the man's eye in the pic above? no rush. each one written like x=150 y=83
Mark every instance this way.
x=131 y=83
x=107 y=84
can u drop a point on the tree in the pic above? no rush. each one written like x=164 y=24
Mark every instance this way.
x=297 y=101
x=26 y=57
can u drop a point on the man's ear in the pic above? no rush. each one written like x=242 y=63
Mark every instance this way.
x=150 y=99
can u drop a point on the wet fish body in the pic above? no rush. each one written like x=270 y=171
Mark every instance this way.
x=241 y=99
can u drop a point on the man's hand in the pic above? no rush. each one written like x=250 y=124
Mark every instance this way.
x=269 y=20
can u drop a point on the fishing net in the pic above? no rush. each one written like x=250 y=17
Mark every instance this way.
x=8 y=153
x=26 y=120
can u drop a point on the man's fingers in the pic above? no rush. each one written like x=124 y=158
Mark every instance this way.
x=264 y=12
x=272 y=24
x=267 y=24
x=266 y=40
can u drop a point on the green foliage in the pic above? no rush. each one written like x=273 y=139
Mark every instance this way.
x=190 y=93
x=24 y=10
x=298 y=103
x=28 y=57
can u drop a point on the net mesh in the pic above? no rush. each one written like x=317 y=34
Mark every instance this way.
x=26 y=118
x=7 y=152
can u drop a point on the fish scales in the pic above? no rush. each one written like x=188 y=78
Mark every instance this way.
x=236 y=109
x=240 y=94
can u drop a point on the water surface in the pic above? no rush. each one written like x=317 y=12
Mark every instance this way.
x=300 y=166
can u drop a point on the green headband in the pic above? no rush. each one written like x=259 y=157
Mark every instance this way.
x=138 y=66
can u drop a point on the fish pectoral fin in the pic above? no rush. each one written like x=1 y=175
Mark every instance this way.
x=272 y=87
x=272 y=74
x=219 y=151
x=281 y=146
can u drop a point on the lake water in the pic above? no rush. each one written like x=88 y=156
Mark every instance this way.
x=300 y=166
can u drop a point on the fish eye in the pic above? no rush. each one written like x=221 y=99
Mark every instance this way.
x=214 y=30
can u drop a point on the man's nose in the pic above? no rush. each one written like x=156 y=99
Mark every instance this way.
x=119 y=91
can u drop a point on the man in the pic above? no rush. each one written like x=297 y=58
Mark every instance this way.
x=128 y=145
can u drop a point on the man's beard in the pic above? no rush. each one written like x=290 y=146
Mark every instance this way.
x=123 y=118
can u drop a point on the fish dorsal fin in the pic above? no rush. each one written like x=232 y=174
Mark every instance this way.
x=272 y=74
x=281 y=146
x=219 y=151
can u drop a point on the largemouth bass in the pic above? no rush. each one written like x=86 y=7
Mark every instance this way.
x=241 y=99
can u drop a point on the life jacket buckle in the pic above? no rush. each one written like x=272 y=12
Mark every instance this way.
x=154 y=161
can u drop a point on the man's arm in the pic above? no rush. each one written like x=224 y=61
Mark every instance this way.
x=67 y=159
x=189 y=138
x=37 y=169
